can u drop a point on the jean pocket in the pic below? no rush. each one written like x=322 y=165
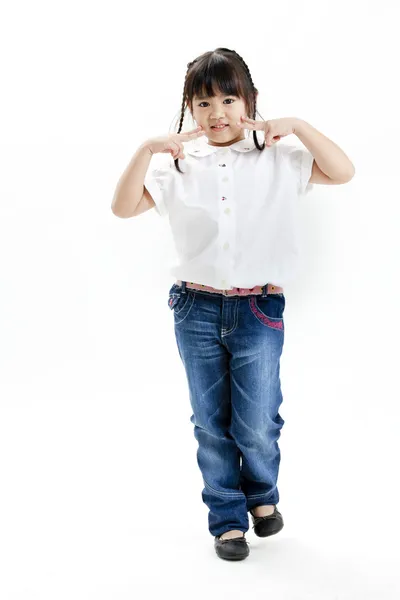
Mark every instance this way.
x=269 y=309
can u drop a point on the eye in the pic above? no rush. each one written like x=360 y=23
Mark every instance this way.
x=231 y=99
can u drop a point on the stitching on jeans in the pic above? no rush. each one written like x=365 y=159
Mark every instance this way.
x=234 y=494
x=260 y=315
x=225 y=332
x=260 y=496
x=185 y=309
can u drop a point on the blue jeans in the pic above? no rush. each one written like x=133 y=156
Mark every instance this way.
x=230 y=347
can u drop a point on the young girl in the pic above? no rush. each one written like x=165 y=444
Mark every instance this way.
x=231 y=202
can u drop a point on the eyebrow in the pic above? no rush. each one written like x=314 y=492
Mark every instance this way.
x=205 y=97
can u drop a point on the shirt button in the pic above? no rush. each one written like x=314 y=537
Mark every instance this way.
x=225 y=179
x=227 y=211
x=226 y=246
x=223 y=283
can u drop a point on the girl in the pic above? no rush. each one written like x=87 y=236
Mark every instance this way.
x=231 y=202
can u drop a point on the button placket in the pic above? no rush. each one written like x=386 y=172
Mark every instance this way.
x=226 y=226
x=223 y=164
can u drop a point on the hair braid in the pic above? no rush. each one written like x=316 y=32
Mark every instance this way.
x=254 y=99
x=176 y=160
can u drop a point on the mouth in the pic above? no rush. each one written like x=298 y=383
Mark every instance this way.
x=219 y=127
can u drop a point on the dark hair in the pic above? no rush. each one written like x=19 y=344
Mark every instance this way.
x=224 y=70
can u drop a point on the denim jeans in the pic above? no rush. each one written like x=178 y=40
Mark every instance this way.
x=230 y=347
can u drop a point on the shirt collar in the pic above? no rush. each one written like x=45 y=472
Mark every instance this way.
x=200 y=147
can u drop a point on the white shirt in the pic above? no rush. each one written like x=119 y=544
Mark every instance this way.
x=233 y=213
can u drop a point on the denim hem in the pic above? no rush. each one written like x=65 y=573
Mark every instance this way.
x=257 y=496
x=224 y=494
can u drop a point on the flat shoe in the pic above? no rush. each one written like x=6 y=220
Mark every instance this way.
x=231 y=549
x=269 y=525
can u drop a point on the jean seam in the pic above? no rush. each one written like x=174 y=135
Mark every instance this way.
x=223 y=494
x=257 y=496
x=176 y=315
x=225 y=332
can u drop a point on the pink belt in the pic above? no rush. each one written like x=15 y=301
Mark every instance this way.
x=272 y=289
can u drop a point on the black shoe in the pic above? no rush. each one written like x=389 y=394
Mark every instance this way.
x=265 y=526
x=233 y=549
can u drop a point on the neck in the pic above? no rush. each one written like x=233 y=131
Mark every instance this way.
x=241 y=136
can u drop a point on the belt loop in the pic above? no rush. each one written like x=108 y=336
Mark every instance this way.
x=184 y=287
x=265 y=290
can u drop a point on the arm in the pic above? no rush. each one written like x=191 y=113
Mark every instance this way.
x=130 y=188
x=331 y=165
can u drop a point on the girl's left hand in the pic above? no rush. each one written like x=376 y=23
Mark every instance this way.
x=273 y=129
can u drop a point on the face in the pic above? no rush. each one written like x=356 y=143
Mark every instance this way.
x=225 y=109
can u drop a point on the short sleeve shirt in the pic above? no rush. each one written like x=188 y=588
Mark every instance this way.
x=233 y=211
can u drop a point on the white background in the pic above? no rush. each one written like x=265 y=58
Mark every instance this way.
x=100 y=488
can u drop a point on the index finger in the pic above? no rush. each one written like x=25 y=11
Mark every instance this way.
x=189 y=135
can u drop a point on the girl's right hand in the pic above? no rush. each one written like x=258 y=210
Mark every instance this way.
x=173 y=142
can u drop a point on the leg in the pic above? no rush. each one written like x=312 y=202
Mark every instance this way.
x=206 y=363
x=256 y=397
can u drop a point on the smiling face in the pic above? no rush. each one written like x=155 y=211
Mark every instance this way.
x=221 y=108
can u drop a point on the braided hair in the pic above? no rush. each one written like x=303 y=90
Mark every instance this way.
x=227 y=69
